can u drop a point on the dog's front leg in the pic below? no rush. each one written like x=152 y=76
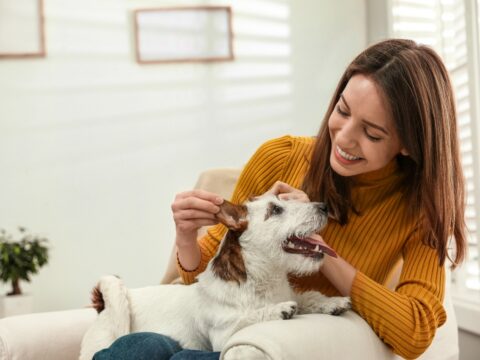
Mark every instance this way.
x=220 y=334
x=281 y=311
x=311 y=302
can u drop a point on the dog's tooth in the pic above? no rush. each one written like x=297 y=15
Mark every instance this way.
x=317 y=248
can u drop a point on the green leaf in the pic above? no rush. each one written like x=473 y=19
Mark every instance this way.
x=23 y=257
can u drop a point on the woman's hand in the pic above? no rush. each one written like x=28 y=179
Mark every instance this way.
x=287 y=192
x=192 y=210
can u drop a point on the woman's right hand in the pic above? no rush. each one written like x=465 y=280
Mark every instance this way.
x=192 y=210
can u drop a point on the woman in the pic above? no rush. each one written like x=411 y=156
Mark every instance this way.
x=386 y=160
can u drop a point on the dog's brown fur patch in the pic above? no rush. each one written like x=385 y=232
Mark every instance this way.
x=233 y=216
x=97 y=299
x=228 y=264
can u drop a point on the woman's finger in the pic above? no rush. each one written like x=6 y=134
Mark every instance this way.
x=280 y=187
x=297 y=195
x=200 y=194
x=194 y=225
x=286 y=192
x=194 y=203
x=191 y=214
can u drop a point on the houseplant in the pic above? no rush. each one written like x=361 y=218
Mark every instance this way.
x=19 y=258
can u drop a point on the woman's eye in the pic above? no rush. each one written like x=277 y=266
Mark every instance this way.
x=341 y=112
x=372 y=138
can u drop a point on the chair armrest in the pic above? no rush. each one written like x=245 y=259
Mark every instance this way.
x=312 y=336
x=41 y=336
x=316 y=336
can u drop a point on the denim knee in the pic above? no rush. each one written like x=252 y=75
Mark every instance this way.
x=140 y=346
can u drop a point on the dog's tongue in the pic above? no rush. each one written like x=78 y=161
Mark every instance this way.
x=314 y=239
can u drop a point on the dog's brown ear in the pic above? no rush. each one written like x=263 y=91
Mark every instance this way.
x=233 y=216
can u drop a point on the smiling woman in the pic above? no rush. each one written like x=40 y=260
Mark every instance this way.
x=386 y=162
x=361 y=145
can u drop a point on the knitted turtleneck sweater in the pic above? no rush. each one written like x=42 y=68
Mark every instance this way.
x=374 y=241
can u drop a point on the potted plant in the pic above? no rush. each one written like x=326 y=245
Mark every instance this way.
x=19 y=259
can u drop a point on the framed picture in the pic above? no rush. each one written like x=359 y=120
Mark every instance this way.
x=183 y=34
x=21 y=29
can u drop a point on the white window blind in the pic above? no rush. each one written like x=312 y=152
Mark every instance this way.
x=442 y=24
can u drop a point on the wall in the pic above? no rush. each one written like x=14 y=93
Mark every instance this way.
x=93 y=146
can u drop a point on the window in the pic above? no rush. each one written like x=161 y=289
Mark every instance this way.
x=451 y=28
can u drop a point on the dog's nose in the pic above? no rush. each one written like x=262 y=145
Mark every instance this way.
x=323 y=207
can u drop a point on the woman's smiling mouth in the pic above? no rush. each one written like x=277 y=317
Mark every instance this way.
x=345 y=157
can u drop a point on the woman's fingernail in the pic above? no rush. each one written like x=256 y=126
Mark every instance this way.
x=218 y=200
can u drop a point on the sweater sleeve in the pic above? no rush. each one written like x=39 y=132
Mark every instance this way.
x=262 y=170
x=405 y=319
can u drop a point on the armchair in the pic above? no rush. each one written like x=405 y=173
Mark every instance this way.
x=57 y=335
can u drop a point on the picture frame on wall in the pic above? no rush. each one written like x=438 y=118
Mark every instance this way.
x=183 y=34
x=22 y=33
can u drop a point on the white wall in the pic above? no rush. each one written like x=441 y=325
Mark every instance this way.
x=93 y=147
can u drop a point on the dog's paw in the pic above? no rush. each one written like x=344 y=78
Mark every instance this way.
x=287 y=309
x=339 y=305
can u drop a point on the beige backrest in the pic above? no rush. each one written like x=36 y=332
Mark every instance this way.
x=219 y=181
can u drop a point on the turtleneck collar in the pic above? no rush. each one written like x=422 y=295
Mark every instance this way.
x=378 y=177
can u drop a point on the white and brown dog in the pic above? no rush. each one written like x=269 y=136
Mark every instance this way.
x=245 y=283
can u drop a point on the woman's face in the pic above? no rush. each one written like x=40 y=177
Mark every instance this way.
x=361 y=129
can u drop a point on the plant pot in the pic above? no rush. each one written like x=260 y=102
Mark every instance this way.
x=15 y=305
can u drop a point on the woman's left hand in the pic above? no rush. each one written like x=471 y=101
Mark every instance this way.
x=287 y=192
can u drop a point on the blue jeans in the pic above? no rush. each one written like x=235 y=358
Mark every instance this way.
x=151 y=346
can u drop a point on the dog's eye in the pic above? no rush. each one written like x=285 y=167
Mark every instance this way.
x=276 y=210
x=273 y=210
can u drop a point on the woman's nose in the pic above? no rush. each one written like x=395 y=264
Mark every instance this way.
x=347 y=135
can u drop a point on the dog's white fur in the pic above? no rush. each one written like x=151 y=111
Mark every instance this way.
x=205 y=314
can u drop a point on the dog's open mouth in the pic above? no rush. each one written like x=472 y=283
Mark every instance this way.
x=307 y=246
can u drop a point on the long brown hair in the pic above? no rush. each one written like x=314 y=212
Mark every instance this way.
x=417 y=88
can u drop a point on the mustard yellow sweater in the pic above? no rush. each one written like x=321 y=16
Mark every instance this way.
x=373 y=242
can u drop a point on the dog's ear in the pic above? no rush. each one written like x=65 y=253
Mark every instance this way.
x=233 y=216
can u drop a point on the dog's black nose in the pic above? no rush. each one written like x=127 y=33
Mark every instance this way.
x=323 y=207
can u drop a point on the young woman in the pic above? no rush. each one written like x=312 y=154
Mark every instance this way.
x=386 y=160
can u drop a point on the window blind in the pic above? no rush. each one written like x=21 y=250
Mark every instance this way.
x=442 y=25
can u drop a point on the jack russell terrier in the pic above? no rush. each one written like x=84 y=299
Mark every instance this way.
x=245 y=283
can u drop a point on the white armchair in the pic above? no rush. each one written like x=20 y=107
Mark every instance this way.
x=57 y=335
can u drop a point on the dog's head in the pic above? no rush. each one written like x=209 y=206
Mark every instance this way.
x=271 y=230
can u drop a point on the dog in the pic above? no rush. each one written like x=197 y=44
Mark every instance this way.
x=245 y=283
